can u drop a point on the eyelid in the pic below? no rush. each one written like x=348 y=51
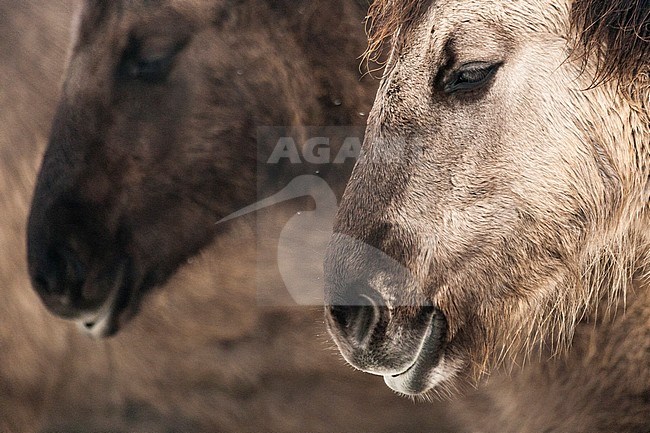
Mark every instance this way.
x=490 y=68
x=151 y=59
x=154 y=49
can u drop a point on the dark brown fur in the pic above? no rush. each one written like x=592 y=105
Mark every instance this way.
x=202 y=356
x=138 y=171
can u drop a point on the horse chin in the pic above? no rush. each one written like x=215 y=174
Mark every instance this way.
x=429 y=367
x=413 y=383
x=129 y=284
x=118 y=308
x=102 y=325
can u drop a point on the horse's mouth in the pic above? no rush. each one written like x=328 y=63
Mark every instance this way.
x=101 y=325
x=116 y=310
x=423 y=374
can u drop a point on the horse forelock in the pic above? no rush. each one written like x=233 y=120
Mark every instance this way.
x=615 y=32
x=386 y=17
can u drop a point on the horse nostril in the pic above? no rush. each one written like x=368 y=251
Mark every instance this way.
x=46 y=283
x=356 y=322
x=59 y=276
x=343 y=315
x=47 y=276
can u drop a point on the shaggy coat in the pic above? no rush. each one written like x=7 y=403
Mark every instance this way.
x=497 y=220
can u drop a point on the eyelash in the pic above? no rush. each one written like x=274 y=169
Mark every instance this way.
x=152 y=70
x=470 y=76
x=149 y=70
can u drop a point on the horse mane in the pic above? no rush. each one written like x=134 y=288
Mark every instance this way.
x=617 y=32
x=385 y=18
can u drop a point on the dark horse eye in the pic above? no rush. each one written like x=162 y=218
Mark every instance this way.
x=471 y=76
x=149 y=64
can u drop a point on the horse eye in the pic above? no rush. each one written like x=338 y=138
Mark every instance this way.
x=149 y=65
x=150 y=70
x=471 y=76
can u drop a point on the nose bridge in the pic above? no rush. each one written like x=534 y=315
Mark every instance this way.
x=356 y=270
x=88 y=87
x=64 y=229
x=376 y=185
x=374 y=199
x=370 y=287
x=83 y=116
x=85 y=100
x=72 y=137
x=101 y=35
x=371 y=241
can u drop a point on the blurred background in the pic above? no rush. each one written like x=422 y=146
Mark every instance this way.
x=202 y=356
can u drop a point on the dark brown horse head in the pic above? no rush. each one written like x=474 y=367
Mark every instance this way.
x=154 y=141
x=499 y=196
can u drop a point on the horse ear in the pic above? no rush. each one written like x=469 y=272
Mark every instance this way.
x=617 y=33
